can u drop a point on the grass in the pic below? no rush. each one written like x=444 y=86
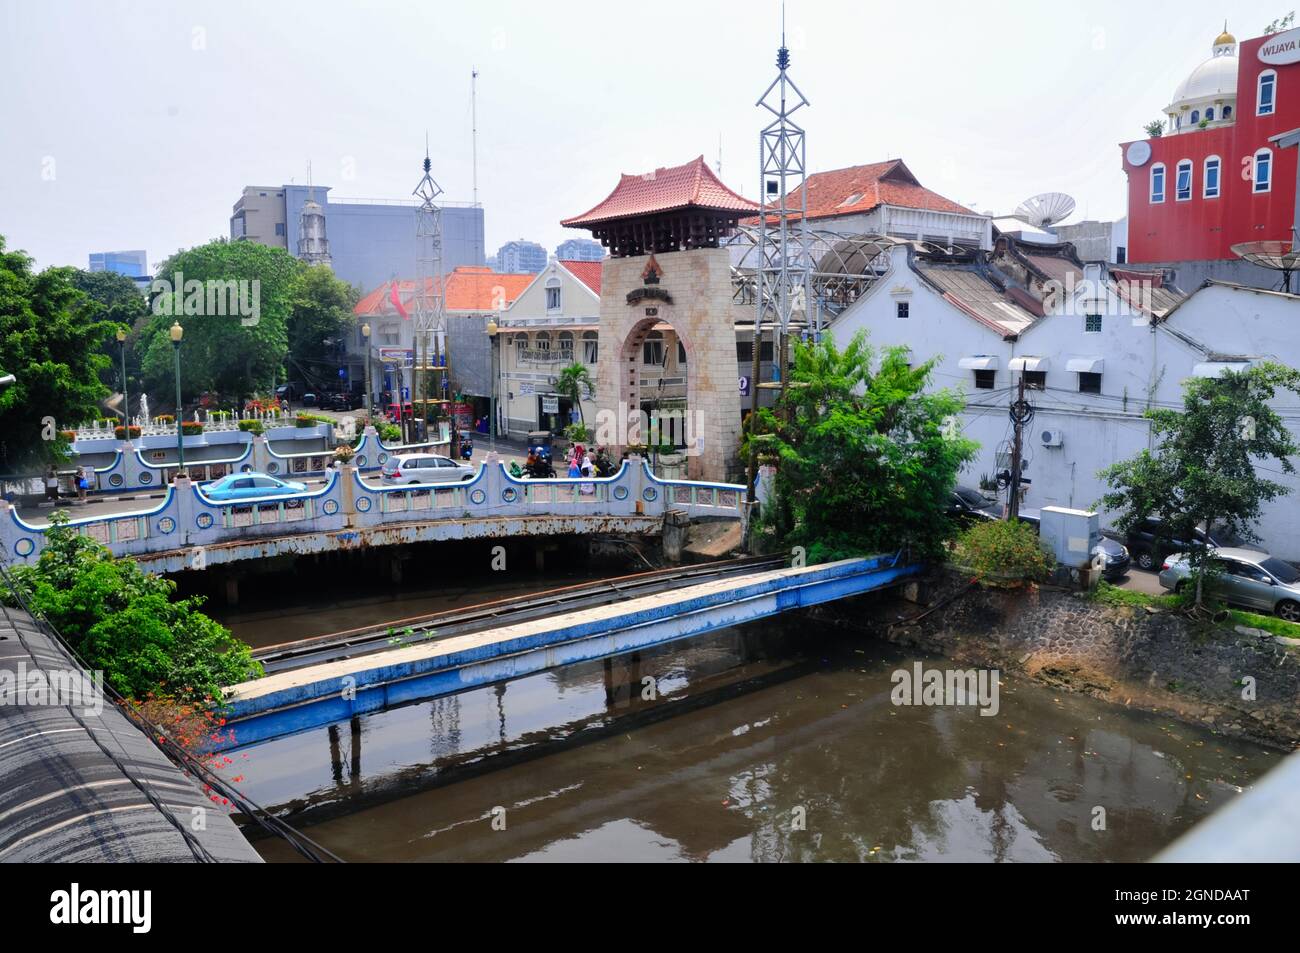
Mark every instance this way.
x=1114 y=596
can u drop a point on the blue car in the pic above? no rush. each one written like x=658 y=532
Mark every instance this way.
x=239 y=486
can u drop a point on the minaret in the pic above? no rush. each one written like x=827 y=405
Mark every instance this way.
x=313 y=246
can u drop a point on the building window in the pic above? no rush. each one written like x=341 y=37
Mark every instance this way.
x=1121 y=255
x=543 y=341
x=1092 y=324
x=1157 y=183
x=1196 y=116
x=590 y=347
x=1212 y=166
x=904 y=309
x=681 y=354
x=1263 y=174
x=1184 y=182
x=652 y=350
x=984 y=380
x=1266 y=98
x=279 y=228
x=1209 y=114
x=553 y=295
x=1089 y=383
x=1227 y=112
x=521 y=345
x=1035 y=380
x=566 y=346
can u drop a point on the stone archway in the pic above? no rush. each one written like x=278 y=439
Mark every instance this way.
x=691 y=291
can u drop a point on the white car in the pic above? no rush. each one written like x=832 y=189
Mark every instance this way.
x=412 y=468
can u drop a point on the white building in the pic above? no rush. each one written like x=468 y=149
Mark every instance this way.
x=553 y=323
x=1096 y=345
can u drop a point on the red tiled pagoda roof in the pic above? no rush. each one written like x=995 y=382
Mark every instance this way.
x=692 y=185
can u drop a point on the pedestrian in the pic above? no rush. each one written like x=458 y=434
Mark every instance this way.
x=586 y=465
x=575 y=462
x=85 y=476
x=52 y=485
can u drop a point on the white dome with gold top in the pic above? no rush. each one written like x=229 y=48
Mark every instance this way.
x=1208 y=96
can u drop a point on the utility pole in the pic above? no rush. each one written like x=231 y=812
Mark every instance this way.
x=1022 y=411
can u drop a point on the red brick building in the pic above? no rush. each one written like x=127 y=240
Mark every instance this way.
x=1214 y=178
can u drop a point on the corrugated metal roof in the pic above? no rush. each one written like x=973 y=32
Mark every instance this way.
x=71 y=792
x=975 y=294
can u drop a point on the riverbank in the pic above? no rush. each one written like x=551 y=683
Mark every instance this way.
x=1243 y=684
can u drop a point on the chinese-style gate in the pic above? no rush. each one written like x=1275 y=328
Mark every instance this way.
x=668 y=265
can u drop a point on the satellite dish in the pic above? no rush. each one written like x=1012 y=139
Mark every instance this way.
x=1043 y=211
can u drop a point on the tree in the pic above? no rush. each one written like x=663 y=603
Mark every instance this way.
x=1277 y=26
x=126 y=623
x=1204 y=470
x=1155 y=129
x=866 y=461
x=51 y=340
x=320 y=319
x=574 y=382
x=230 y=353
x=119 y=301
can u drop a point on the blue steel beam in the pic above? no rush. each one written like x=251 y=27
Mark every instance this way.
x=296 y=701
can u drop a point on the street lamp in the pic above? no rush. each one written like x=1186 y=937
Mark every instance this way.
x=492 y=401
x=176 y=333
x=365 y=334
x=126 y=400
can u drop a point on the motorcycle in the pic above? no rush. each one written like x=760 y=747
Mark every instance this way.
x=542 y=468
x=466 y=449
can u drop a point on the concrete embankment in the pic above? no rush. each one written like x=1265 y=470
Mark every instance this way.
x=1243 y=685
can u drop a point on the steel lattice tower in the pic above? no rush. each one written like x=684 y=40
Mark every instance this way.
x=429 y=291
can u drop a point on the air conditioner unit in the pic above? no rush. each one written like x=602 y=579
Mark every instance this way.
x=1053 y=438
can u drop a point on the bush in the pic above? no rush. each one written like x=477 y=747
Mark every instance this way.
x=164 y=419
x=126 y=623
x=252 y=426
x=191 y=428
x=1003 y=548
x=120 y=432
x=311 y=420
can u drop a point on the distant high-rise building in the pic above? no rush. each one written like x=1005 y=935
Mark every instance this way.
x=521 y=257
x=370 y=240
x=579 y=249
x=133 y=264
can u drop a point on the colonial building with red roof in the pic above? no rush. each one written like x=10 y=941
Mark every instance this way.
x=885 y=198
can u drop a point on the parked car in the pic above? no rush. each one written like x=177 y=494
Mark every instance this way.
x=968 y=505
x=411 y=468
x=1150 y=543
x=240 y=486
x=1244 y=577
x=1114 y=554
x=291 y=390
x=342 y=400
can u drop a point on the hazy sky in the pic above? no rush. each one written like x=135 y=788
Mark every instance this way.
x=135 y=124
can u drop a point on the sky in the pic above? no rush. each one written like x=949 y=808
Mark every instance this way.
x=135 y=124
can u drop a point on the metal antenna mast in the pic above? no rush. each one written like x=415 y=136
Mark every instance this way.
x=783 y=281
x=429 y=300
x=473 y=122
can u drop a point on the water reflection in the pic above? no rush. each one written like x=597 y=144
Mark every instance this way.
x=752 y=730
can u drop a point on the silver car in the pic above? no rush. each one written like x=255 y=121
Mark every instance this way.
x=1245 y=578
x=424 y=468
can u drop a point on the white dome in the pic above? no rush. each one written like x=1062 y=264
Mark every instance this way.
x=1214 y=79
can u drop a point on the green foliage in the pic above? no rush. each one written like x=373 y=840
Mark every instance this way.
x=51 y=339
x=1003 y=548
x=1154 y=129
x=1283 y=23
x=252 y=426
x=866 y=461
x=219 y=352
x=116 y=299
x=1204 y=468
x=320 y=319
x=127 y=623
x=574 y=382
x=579 y=433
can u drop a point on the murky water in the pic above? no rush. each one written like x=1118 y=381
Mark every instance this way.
x=775 y=742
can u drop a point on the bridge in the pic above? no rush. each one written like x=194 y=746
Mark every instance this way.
x=190 y=531
x=324 y=692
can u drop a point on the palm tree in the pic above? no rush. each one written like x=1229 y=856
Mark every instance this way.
x=574 y=382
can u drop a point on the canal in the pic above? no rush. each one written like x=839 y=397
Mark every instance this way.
x=776 y=741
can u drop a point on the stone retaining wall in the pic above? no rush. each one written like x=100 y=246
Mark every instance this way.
x=1161 y=662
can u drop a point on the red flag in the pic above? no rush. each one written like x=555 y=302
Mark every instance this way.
x=397 y=302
